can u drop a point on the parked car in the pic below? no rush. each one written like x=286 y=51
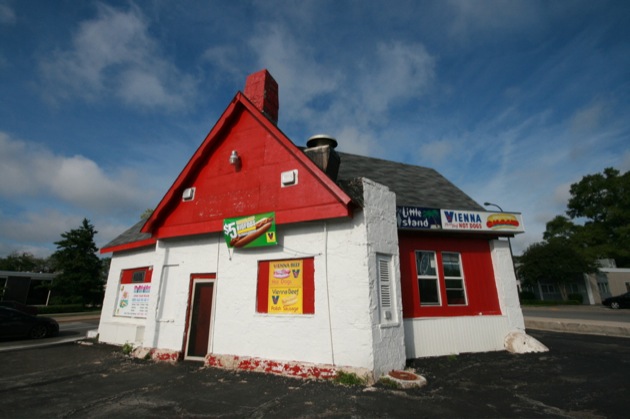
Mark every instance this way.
x=620 y=301
x=17 y=324
x=19 y=307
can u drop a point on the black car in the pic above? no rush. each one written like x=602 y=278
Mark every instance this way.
x=17 y=324
x=620 y=301
x=19 y=307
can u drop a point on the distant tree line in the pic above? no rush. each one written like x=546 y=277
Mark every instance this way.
x=81 y=274
x=596 y=226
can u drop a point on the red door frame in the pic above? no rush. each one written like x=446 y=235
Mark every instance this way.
x=196 y=278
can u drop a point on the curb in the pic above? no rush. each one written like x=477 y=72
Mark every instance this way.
x=591 y=327
x=73 y=317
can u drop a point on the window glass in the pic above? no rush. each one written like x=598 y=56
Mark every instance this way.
x=453 y=279
x=427 y=278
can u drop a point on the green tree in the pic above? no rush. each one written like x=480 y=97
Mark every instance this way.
x=598 y=223
x=24 y=262
x=555 y=261
x=80 y=269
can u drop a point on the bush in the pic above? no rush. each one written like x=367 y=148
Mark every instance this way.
x=349 y=379
x=576 y=297
x=526 y=295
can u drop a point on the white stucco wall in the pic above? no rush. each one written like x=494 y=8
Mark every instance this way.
x=345 y=329
x=388 y=337
x=507 y=289
x=121 y=330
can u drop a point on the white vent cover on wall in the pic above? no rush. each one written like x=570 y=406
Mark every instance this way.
x=189 y=194
x=289 y=178
x=385 y=289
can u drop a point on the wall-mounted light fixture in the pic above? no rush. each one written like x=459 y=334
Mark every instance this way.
x=235 y=159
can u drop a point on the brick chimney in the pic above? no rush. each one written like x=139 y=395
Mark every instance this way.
x=262 y=90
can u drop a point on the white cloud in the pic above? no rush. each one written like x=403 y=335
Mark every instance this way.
x=587 y=119
x=436 y=151
x=28 y=171
x=7 y=14
x=398 y=71
x=114 y=55
x=350 y=98
x=473 y=17
x=562 y=194
x=43 y=226
x=358 y=142
x=303 y=77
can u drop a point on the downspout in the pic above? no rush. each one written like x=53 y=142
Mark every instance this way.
x=332 y=347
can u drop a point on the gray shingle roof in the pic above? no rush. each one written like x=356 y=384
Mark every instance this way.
x=130 y=235
x=414 y=185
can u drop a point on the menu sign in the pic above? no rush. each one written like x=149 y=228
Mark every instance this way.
x=286 y=287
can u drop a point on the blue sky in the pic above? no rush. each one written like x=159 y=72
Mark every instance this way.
x=104 y=102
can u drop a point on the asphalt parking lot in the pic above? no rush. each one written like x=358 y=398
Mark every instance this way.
x=581 y=377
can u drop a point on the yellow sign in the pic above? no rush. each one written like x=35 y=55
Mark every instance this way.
x=286 y=291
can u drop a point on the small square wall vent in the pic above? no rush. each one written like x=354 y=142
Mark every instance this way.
x=189 y=194
x=289 y=178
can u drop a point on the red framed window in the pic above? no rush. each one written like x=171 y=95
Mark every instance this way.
x=286 y=286
x=440 y=269
x=447 y=277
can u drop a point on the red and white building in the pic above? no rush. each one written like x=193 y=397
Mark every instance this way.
x=268 y=256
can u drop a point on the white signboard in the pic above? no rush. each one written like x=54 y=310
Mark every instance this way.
x=133 y=300
x=480 y=221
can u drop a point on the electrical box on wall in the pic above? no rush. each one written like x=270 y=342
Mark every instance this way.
x=289 y=178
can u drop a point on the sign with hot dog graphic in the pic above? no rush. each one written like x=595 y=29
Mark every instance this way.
x=252 y=231
x=482 y=221
x=286 y=287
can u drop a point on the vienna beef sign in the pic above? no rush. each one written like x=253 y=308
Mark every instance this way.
x=482 y=221
x=418 y=218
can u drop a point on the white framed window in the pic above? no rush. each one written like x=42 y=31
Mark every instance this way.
x=386 y=289
x=428 y=281
x=453 y=279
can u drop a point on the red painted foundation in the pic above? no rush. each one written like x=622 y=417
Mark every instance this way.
x=288 y=369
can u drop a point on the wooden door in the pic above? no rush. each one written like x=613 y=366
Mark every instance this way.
x=200 y=319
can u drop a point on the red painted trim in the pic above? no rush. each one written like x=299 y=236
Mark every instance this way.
x=479 y=277
x=126 y=275
x=129 y=246
x=282 y=217
x=294 y=369
x=191 y=285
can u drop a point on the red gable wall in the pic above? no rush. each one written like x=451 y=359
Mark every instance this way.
x=225 y=191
